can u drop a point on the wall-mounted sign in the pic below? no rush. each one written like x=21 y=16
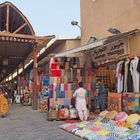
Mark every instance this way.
x=111 y=51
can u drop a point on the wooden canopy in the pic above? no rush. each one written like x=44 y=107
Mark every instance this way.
x=17 y=38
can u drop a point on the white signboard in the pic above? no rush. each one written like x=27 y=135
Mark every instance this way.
x=111 y=51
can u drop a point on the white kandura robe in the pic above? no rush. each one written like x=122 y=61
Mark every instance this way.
x=134 y=73
x=80 y=95
x=119 y=77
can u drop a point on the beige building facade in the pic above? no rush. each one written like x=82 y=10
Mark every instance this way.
x=97 y=16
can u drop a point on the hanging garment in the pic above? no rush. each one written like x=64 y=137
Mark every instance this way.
x=120 y=77
x=123 y=73
x=138 y=69
x=135 y=74
x=126 y=75
x=129 y=80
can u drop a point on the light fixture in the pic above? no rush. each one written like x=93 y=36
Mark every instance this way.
x=92 y=39
x=113 y=31
x=75 y=23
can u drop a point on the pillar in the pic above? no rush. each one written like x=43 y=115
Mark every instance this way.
x=35 y=91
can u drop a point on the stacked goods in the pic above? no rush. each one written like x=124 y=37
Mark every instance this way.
x=3 y=106
x=131 y=102
x=65 y=75
x=66 y=72
x=52 y=114
x=43 y=104
x=26 y=99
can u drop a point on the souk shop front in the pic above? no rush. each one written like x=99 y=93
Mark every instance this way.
x=116 y=63
x=111 y=60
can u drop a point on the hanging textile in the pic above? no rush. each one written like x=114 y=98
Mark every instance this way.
x=115 y=101
x=131 y=102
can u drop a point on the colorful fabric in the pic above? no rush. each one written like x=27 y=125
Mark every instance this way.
x=103 y=132
x=111 y=115
x=133 y=119
x=115 y=101
x=81 y=125
x=95 y=129
x=55 y=73
x=98 y=123
x=120 y=124
x=90 y=136
x=121 y=116
x=103 y=113
x=83 y=132
x=69 y=128
x=105 y=120
x=131 y=102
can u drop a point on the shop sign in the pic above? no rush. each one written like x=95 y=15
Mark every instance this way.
x=111 y=51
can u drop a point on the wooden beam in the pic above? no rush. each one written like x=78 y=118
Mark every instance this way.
x=7 y=19
x=25 y=19
x=26 y=36
x=21 y=27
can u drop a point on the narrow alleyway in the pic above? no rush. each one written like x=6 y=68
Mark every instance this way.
x=22 y=123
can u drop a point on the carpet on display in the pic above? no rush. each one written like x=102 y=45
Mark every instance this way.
x=103 y=129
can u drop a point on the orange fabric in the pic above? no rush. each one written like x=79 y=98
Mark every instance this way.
x=3 y=105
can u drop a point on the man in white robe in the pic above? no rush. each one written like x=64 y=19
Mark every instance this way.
x=80 y=95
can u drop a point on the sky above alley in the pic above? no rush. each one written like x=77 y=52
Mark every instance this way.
x=51 y=17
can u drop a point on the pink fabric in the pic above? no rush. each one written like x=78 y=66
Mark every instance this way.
x=95 y=129
x=121 y=116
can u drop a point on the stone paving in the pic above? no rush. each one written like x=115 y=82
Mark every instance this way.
x=22 y=123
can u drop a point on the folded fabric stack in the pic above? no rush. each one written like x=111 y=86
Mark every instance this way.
x=65 y=74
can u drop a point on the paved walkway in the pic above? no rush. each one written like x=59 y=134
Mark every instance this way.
x=22 y=123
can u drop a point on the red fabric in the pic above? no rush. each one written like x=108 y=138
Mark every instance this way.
x=53 y=65
x=89 y=72
x=72 y=121
x=65 y=87
x=56 y=73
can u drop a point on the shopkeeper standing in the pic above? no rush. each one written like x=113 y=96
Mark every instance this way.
x=80 y=95
x=100 y=90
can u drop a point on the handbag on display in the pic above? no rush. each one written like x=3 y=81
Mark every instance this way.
x=63 y=114
x=73 y=113
x=52 y=115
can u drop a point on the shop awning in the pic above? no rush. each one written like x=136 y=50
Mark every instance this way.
x=98 y=43
x=81 y=48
